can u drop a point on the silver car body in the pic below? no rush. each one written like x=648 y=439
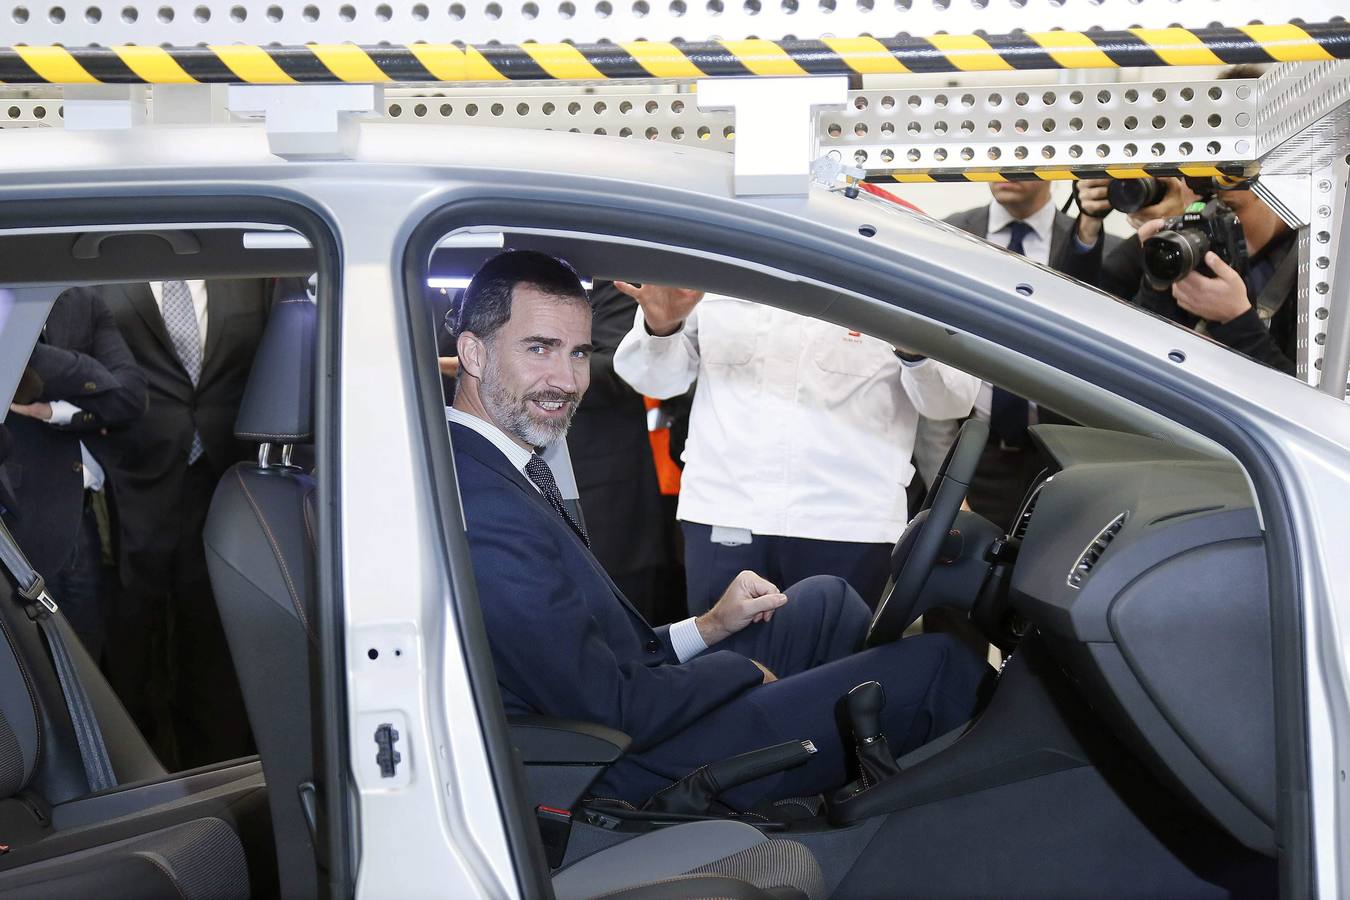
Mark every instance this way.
x=436 y=830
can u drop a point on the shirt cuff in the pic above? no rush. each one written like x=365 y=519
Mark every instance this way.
x=1080 y=247
x=63 y=411
x=686 y=640
x=652 y=336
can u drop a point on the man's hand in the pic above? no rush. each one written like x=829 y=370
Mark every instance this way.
x=39 y=410
x=664 y=308
x=1093 y=203
x=1174 y=203
x=769 y=677
x=1219 y=299
x=1149 y=229
x=747 y=599
x=449 y=366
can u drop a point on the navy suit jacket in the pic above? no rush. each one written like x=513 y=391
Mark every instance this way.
x=82 y=359
x=565 y=641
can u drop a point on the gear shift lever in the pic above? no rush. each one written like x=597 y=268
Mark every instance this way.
x=875 y=762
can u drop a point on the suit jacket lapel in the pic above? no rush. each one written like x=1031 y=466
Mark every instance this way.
x=217 y=319
x=482 y=450
x=1059 y=237
x=141 y=300
x=978 y=224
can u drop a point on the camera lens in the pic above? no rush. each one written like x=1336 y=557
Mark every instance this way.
x=1133 y=194
x=1170 y=256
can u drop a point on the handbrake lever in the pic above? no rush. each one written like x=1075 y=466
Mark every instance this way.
x=694 y=793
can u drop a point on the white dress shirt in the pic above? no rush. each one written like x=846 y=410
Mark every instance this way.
x=198 y=291
x=63 y=413
x=684 y=636
x=799 y=428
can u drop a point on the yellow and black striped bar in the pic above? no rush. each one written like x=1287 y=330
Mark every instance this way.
x=1228 y=174
x=317 y=63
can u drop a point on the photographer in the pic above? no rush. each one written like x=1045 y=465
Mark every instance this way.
x=1250 y=306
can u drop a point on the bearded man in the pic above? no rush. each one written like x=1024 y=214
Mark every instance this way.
x=761 y=667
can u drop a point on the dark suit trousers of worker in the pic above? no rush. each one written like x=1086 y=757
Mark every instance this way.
x=810 y=644
x=710 y=567
x=78 y=585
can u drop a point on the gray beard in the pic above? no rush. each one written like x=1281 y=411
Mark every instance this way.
x=513 y=414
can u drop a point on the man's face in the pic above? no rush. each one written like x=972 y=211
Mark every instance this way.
x=538 y=366
x=1021 y=194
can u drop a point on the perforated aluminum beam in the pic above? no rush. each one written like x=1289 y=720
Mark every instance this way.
x=1324 y=289
x=677 y=59
x=187 y=23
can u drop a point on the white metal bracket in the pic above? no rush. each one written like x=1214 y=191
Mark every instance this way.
x=308 y=121
x=188 y=104
x=776 y=132
x=95 y=107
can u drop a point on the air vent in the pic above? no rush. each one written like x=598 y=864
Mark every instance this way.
x=1094 y=551
x=1028 y=507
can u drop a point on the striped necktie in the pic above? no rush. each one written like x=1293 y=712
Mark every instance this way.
x=542 y=476
x=180 y=319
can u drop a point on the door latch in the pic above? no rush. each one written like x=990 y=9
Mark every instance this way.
x=387 y=757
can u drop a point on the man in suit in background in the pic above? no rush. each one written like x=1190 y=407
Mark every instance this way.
x=195 y=342
x=616 y=475
x=1020 y=217
x=90 y=383
x=761 y=667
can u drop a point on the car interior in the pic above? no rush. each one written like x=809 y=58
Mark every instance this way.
x=1128 y=749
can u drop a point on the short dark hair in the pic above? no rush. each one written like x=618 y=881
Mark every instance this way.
x=486 y=304
x=1242 y=70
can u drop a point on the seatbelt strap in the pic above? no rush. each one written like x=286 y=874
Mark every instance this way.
x=42 y=609
x=1276 y=291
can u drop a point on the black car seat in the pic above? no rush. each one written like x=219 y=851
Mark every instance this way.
x=261 y=554
x=259 y=539
x=193 y=835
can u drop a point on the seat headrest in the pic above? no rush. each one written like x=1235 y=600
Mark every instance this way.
x=278 y=402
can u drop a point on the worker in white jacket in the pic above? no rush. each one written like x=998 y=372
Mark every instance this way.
x=800 y=436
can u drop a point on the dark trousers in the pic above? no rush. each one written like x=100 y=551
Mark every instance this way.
x=811 y=644
x=190 y=705
x=710 y=567
x=78 y=585
x=1001 y=480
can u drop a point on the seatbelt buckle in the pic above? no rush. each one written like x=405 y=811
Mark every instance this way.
x=41 y=605
x=555 y=829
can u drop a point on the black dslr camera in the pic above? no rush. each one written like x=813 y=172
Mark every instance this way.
x=1179 y=248
x=1130 y=195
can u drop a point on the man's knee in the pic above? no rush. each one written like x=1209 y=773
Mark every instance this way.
x=833 y=598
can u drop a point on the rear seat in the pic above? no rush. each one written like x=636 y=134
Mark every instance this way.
x=153 y=835
x=203 y=833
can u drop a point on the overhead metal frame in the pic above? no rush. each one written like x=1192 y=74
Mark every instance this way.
x=188 y=23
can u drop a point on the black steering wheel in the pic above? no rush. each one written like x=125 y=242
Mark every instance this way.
x=916 y=553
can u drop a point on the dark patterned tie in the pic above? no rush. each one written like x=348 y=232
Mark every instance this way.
x=1009 y=413
x=542 y=476
x=180 y=319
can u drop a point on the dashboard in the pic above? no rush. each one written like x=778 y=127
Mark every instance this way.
x=1142 y=565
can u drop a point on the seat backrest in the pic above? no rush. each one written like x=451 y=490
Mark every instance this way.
x=260 y=551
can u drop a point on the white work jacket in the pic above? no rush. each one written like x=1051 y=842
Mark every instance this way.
x=799 y=427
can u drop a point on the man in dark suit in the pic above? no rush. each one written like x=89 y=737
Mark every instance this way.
x=90 y=383
x=1020 y=217
x=611 y=454
x=761 y=667
x=195 y=342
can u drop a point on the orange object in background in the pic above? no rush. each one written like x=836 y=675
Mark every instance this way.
x=667 y=473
